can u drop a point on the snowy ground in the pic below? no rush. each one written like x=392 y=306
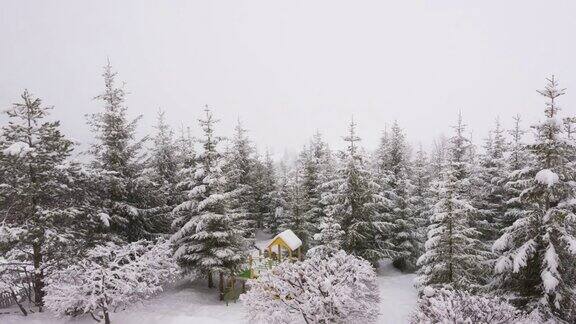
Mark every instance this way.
x=193 y=303
x=397 y=294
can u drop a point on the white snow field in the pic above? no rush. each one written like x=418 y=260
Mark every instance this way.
x=196 y=304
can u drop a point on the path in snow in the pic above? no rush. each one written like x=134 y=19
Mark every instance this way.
x=397 y=294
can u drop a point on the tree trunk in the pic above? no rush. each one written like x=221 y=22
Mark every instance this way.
x=22 y=309
x=210 y=280
x=221 y=285
x=106 y=317
x=38 y=277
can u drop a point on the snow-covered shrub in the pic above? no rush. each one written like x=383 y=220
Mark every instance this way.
x=451 y=306
x=340 y=288
x=16 y=279
x=110 y=278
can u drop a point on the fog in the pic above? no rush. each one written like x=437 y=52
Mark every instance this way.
x=290 y=68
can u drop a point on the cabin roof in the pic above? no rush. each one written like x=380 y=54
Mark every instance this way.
x=289 y=238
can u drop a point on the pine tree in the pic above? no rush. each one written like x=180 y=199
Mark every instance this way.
x=163 y=160
x=329 y=238
x=162 y=173
x=315 y=164
x=206 y=238
x=118 y=165
x=537 y=252
x=517 y=160
x=438 y=157
x=405 y=236
x=240 y=172
x=493 y=171
x=294 y=216
x=264 y=188
x=420 y=198
x=280 y=199
x=45 y=215
x=454 y=255
x=352 y=199
x=186 y=155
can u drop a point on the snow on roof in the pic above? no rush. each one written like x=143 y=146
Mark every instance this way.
x=289 y=238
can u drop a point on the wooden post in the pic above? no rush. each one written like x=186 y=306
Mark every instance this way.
x=221 y=285
x=210 y=280
x=299 y=253
x=251 y=269
x=290 y=253
x=270 y=251
x=279 y=253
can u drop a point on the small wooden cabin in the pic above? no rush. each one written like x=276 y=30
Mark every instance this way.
x=284 y=246
x=286 y=243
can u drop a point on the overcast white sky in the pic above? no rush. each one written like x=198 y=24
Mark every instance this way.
x=287 y=68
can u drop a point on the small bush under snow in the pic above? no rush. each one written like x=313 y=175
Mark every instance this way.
x=340 y=288
x=449 y=306
x=110 y=278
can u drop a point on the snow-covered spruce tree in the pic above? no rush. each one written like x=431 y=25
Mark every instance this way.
x=162 y=172
x=185 y=153
x=110 y=278
x=517 y=160
x=405 y=236
x=454 y=257
x=117 y=163
x=493 y=172
x=438 y=157
x=206 y=239
x=316 y=169
x=163 y=159
x=280 y=199
x=382 y=174
x=338 y=288
x=294 y=216
x=240 y=171
x=329 y=239
x=537 y=252
x=352 y=199
x=264 y=188
x=43 y=214
x=420 y=198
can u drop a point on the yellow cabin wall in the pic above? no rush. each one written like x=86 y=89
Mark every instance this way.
x=279 y=241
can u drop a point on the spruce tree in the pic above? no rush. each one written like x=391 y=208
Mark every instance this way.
x=280 y=199
x=454 y=255
x=206 y=238
x=240 y=172
x=352 y=199
x=264 y=188
x=516 y=181
x=162 y=173
x=118 y=164
x=420 y=198
x=45 y=210
x=316 y=169
x=163 y=160
x=405 y=236
x=493 y=172
x=294 y=216
x=537 y=252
